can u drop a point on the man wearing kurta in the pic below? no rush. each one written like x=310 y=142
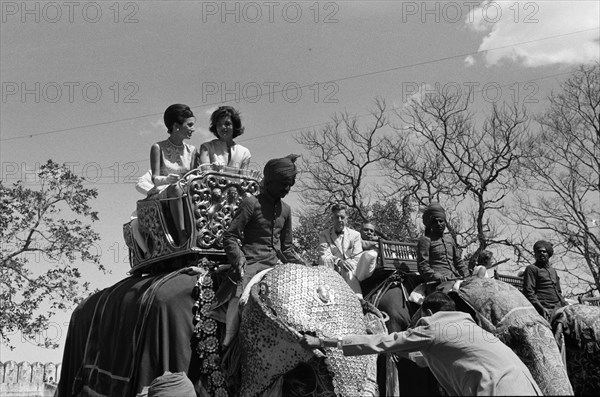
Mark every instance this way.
x=465 y=359
x=541 y=284
x=438 y=258
x=260 y=233
x=263 y=224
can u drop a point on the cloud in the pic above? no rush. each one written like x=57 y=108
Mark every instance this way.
x=156 y=127
x=470 y=60
x=507 y=23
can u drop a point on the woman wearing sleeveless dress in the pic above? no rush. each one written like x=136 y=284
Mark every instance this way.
x=170 y=160
x=225 y=124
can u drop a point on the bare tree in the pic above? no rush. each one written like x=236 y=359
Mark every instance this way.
x=445 y=154
x=344 y=167
x=564 y=172
x=343 y=156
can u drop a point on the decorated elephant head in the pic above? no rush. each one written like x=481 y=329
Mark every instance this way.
x=502 y=310
x=292 y=299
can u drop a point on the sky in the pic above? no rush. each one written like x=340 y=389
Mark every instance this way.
x=86 y=83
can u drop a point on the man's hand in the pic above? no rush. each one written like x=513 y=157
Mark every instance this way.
x=546 y=313
x=240 y=267
x=347 y=265
x=310 y=342
x=439 y=277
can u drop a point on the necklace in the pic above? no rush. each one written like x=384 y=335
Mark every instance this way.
x=172 y=144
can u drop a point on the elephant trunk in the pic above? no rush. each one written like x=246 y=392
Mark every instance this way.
x=530 y=337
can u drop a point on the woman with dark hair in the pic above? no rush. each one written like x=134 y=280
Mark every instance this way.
x=170 y=160
x=225 y=124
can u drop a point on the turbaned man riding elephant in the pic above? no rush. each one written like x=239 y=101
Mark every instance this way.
x=124 y=336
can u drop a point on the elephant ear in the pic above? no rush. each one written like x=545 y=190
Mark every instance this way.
x=293 y=299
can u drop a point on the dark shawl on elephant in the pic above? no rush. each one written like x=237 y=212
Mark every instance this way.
x=152 y=316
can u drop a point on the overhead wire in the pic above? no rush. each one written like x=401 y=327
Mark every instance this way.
x=115 y=174
x=32 y=135
x=129 y=178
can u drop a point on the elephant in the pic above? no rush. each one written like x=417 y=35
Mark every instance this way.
x=578 y=326
x=122 y=337
x=293 y=299
x=164 y=316
x=501 y=309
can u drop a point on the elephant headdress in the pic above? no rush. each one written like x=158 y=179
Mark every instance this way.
x=292 y=299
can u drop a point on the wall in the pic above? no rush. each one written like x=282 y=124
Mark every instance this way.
x=28 y=380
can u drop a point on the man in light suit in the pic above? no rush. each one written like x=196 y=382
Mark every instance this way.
x=341 y=249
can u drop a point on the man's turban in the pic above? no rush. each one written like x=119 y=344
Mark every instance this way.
x=434 y=210
x=544 y=244
x=283 y=168
x=172 y=384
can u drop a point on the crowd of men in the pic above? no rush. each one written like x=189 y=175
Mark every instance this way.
x=260 y=237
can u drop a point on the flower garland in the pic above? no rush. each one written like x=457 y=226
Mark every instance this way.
x=205 y=330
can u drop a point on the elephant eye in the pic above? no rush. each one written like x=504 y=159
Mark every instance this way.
x=263 y=289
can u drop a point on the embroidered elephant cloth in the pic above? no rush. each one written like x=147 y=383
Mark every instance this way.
x=292 y=299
